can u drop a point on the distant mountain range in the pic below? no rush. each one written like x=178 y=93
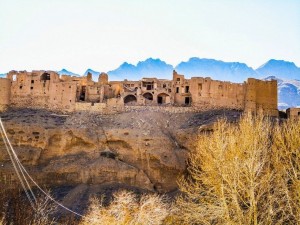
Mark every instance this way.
x=148 y=68
x=201 y=67
x=219 y=70
x=3 y=75
x=287 y=73
x=66 y=72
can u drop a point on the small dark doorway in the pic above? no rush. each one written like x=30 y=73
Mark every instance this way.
x=82 y=93
x=159 y=100
x=148 y=96
x=130 y=99
x=187 y=100
x=162 y=98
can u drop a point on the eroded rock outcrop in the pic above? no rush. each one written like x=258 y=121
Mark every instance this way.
x=146 y=150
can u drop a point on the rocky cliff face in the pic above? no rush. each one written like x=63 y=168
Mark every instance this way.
x=143 y=149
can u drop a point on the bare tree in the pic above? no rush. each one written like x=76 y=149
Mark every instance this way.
x=236 y=176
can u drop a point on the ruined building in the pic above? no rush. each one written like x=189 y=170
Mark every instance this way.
x=48 y=90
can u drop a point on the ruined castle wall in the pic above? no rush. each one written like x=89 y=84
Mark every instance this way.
x=293 y=113
x=45 y=89
x=63 y=96
x=5 y=86
x=40 y=89
x=28 y=90
x=207 y=92
x=261 y=96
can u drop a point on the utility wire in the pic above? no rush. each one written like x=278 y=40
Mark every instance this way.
x=17 y=171
x=13 y=153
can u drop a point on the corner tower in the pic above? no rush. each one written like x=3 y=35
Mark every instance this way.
x=5 y=85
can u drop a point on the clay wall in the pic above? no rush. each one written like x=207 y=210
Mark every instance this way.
x=31 y=89
x=93 y=93
x=293 y=113
x=206 y=91
x=5 y=87
x=179 y=85
x=62 y=96
x=261 y=96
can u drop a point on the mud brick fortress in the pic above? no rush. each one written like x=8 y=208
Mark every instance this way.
x=49 y=90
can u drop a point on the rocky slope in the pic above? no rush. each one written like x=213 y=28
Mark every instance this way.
x=144 y=150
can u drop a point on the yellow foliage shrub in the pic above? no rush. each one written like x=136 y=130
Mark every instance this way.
x=243 y=173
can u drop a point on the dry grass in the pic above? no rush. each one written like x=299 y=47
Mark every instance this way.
x=245 y=173
x=126 y=208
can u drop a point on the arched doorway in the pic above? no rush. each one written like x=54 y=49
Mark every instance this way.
x=130 y=99
x=148 y=96
x=163 y=98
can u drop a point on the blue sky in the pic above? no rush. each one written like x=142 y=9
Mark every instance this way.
x=102 y=34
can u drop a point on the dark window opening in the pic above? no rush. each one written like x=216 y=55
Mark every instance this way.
x=82 y=93
x=169 y=90
x=159 y=100
x=149 y=87
x=187 y=100
x=178 y=79
x=298 y=113
x=164 y=85
x=200 y=87
x=21 y=87
x=31 y=88
x=177 y=89
x=187 y=89
x=45 y=76
x=32 y=81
